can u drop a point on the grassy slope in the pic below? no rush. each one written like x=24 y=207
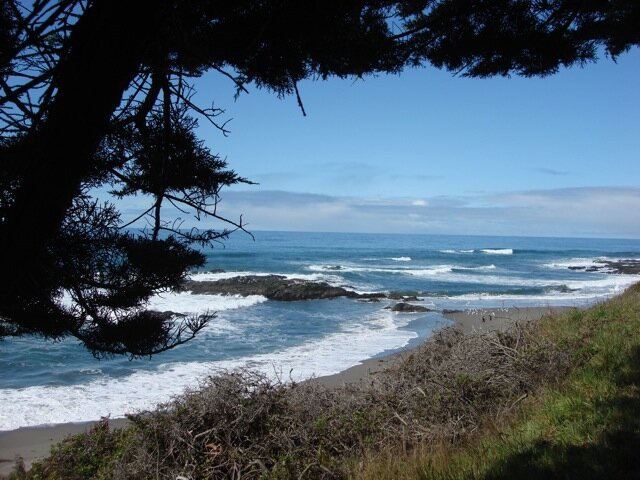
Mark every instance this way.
x=586 y=427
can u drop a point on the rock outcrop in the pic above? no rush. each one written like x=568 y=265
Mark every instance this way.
x=621 y=267
x=274 y=287
x=404 y=307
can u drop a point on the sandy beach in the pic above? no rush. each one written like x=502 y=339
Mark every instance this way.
x=32 y=443
x=490 y=319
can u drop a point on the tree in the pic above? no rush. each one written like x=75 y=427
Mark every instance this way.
x=99 y=93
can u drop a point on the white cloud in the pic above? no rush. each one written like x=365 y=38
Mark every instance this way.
x=602 y=212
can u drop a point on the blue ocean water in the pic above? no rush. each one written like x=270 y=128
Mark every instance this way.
x=45 y=382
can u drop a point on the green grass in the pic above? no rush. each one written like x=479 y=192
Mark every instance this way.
x=587 y=427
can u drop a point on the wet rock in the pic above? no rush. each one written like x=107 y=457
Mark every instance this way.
x=167 y=315
x=274 y=287
x=624 y=267
x=620 y=267
x=403 y=307
x=370 y=300
x=563 y=289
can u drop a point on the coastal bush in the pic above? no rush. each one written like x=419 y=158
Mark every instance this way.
x=78 y=457
x=586 y=426
x=242 y=424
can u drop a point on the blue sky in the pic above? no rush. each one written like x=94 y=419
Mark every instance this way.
x=426 y=152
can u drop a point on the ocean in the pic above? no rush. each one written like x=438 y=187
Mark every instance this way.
x=54 y=382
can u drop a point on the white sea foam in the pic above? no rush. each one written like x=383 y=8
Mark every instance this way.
x=189 y=304
x=481 y=268
x=606 y=285
x=560 y=292
x=328 y=277
x=198 y=304
x=143 y=389
x=429 y=272
x=400 y=259
x=200 y=277
x=497 y=251
x=602 y=281
x=482 y=299
x=214 y=276
x=457 y=252
x=584 y=262
x=433 y=270
x=325 y=268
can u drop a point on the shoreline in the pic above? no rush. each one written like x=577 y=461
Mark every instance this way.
x=477 y=320
x=33 y=443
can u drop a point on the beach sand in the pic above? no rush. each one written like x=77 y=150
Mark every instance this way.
x=491 y=319
x=32 y=443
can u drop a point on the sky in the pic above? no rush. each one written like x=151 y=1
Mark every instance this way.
x=428 y=152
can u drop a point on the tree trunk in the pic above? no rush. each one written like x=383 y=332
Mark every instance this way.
x=104 y=54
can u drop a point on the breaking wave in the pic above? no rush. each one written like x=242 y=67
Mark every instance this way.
x=497 y=251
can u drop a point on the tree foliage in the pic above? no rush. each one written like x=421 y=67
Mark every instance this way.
x=98 y=95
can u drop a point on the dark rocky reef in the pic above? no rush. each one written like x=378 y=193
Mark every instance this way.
x=167 y=315
x=371 y=300
x=620 y=267
x=403 y=307
x=274 y=287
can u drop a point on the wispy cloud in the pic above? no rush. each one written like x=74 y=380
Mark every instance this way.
x=414 y=177
x=590 y=211
x=586 y=211
x=551 y=171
